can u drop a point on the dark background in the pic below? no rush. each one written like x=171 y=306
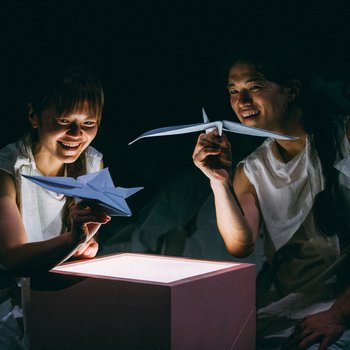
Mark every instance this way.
x=159 y=62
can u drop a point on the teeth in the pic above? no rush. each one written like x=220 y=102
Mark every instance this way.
x=72 y=145
x=249 y=114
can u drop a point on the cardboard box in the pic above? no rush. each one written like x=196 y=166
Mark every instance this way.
x=140 y=301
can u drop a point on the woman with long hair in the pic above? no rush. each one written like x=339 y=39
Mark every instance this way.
x=295 y=191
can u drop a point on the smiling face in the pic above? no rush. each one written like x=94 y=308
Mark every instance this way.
x=61 y=139
x=256 y=101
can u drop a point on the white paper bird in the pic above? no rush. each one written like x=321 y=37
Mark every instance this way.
x=225 y=125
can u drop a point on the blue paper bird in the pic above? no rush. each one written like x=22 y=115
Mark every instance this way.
x=97 y=187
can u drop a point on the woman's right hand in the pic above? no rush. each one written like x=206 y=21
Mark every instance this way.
x=212 y=155
x=86 y=219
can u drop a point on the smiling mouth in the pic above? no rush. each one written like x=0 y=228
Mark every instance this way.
x=69 y=145
x=249 y=114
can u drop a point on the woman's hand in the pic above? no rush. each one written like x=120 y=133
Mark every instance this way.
x=324 y=328
x=88 y=250
x=212 y=155
x=86 y=219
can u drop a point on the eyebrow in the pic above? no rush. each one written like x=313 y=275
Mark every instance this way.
x=87 y=115
x=251 y=79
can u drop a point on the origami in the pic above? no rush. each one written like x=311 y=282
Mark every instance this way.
x=97 y=187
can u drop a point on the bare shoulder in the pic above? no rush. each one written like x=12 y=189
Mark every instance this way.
x=245 y=191
x=7 y=185
x=241 y=183
x=12 y=231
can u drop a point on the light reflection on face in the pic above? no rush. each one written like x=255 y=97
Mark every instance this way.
x=256 y=101
x=63 y=138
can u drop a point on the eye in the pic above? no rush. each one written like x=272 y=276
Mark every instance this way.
x=63 y=121
x=255 y=87
x=233 y=92
x=90 y=123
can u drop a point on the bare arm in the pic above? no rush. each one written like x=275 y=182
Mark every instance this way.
x=237 y=214
x=24 y=258
x=237 y=210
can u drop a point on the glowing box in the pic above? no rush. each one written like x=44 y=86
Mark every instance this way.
x=137 y=301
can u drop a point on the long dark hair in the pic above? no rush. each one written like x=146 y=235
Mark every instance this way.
x=69 y=89
x=282 y=64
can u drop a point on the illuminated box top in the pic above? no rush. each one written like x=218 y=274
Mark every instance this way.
x=142 y=267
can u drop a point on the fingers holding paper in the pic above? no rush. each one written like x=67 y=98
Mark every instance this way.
x=88 y=250
x=212 y=155
x=86 y=219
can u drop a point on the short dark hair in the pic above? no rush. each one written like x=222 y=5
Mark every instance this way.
x=69 y=88
x=278 y=62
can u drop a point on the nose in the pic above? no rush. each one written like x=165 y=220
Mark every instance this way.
x=244 y=98
x=74 y=130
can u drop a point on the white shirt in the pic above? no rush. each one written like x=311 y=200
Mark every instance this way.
x=41 y=210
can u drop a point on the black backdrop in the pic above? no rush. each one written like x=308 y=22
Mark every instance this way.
x=159 y=61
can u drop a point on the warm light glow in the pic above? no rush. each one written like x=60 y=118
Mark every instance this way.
x=143 y=267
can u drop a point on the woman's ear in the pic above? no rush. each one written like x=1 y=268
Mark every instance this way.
x=32 y=116
x=293 y=90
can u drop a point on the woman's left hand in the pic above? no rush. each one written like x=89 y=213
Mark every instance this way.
x=86 y=218
x=93 y=228
x=324 y=328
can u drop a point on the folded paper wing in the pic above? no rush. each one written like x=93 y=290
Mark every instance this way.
x=209 y=126
x=97 y=187
x=249 y=130
x=179 y=129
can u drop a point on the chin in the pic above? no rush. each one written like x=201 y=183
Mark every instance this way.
x=73 y=156
x=250 y=122
x=70 y=159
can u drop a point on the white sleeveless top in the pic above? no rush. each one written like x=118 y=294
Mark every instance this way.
x=286 y=191
x=41 y=210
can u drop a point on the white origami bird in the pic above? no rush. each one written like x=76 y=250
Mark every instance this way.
x=225 y=125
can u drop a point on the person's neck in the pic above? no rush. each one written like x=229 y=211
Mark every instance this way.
x=48 y=165
x=51 y=168
x=288 y=149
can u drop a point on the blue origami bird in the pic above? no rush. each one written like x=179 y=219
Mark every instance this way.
x=97 y=186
